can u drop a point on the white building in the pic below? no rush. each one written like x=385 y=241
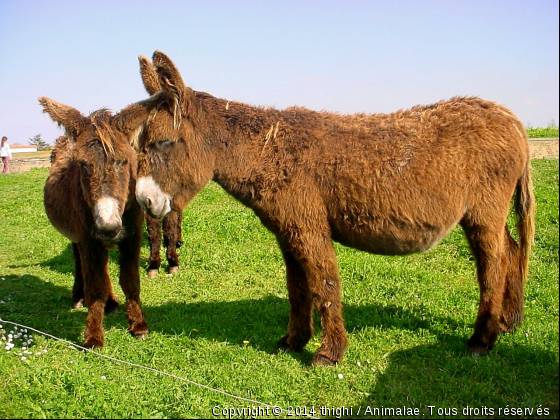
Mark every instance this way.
x=18 y=148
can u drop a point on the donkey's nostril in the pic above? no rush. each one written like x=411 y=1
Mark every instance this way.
x=149 y=203
x=107 y=230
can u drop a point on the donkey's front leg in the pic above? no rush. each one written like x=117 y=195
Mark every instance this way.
x=172 y=238
x=111 y=306
x=94 y=259
x=129 y=250
x=154 y=239
x=316 y=256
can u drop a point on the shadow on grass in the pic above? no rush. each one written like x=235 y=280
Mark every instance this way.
x=64 y=262
x=261 y=321
x=416 y=377
x=525 y=377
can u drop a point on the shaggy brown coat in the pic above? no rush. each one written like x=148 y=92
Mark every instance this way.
x=390 y=184
x=89 y=198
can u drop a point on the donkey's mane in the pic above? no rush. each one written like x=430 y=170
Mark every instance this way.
x=101 y=121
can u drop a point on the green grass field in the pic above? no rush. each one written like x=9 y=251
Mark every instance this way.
x=218 y=320
x=540 y=132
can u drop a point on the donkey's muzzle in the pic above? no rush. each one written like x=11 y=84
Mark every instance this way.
x=107 y=232
x=108 y=223
x=152 y=198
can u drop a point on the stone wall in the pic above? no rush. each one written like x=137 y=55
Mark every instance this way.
x=22 y=165
x=544 y=148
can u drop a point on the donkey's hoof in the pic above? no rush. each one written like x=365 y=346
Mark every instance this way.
x=141 y=336
x=292 y=344
x=506 y=329
x=479 y=346
x=93 y=343
x=282 y=347
x=77 y=304
x=478 y=351
x=140 y=331
x=322 y=360
x=153 y=273
x=111 y=310
x=111 y=307
x=173 y=270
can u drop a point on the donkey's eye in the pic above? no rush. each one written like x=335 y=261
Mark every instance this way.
x=86 y=167
x=162 y=145
x=120 y=163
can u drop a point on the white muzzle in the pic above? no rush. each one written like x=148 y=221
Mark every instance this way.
x=151 y=198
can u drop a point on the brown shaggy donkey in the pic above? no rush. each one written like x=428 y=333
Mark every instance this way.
x=387 y=184
x=89 y=198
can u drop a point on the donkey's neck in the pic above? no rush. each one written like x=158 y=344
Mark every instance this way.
x=239 y=135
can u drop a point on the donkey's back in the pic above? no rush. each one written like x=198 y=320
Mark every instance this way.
x=398 y=183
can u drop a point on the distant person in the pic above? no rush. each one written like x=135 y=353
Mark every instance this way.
x=6 y=154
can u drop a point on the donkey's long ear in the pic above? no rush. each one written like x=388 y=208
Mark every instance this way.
x=149 y=75
x=172 y=84
x=131 y=120
x=70 y=118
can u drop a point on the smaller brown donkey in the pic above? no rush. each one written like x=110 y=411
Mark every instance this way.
x=89 y=198
x=389 y=184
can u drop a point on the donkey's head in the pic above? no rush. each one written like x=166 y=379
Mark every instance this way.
x=104 y=161
x=173 y=161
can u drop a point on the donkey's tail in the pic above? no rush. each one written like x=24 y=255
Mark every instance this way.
x=525 y=209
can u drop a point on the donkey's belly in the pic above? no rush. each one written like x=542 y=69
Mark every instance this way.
x=63 y=212
x=63 y=223
x=392 y=237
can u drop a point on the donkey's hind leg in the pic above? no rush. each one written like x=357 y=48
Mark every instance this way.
x=487 y=244
x=78 y=288
x=512 y=312
x=112 y=304
x=315 y=255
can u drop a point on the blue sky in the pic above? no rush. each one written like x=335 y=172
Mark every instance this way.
x=343 y=56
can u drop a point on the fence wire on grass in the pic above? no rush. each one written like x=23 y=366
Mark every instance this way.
x=275 y=409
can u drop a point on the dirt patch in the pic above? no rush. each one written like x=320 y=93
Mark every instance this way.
x=22 y=165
